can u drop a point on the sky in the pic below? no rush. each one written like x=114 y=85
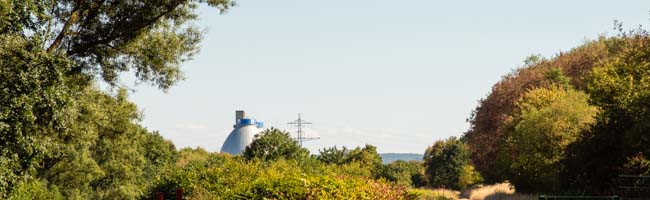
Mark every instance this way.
x=395 y=74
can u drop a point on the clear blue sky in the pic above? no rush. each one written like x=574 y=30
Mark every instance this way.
x=395 y=74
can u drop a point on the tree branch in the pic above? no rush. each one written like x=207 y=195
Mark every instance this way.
x=130 y=30
x=74 y=16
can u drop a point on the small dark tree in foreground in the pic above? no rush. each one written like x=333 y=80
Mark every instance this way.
x=273 y=144
x=444 y=163
x=332 y=155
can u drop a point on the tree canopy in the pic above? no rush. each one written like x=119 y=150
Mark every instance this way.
x=59 y=133
x=150 y=38
x=444 y=163
x=589 y=124
x=546 y=122
x=272 y=144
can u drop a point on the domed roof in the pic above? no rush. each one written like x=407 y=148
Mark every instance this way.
x=239 y=138
x=242 y=135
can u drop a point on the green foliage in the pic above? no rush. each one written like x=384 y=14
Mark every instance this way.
x=333 y=155
x=557 y=77
x=204 y=175
x=444 y=162
x=537 y=135
x=590 y=153
x=407 y=173
x=35 y=190
x=129 y=40
x=98 y=151
x=487 y=121
x=273 y=144
x=534 y=59
x=621 y=88
x=469 y=177
x=59 y=133
x=33 y=93
x=367 y=158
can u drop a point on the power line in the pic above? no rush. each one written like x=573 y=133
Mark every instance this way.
x=299 y=124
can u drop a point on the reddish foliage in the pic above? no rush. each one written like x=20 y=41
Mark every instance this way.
x=487 y=119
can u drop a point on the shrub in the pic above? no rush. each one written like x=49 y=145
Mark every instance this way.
x=274 y=144
x=205 y=175
x=444 y=162
x=537 y=135
x=469 y=177
x=488 y=119
x=36 y=190
x=403 y=172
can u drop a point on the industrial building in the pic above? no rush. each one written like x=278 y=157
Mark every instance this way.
x=242 y=135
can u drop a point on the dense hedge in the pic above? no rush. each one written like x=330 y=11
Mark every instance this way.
x=204 y=175
x=580 y=142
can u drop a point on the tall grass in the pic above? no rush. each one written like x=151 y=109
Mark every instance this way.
x=501 y=191
x=433 y=194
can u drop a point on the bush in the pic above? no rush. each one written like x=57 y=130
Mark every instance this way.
x=538 y=134
x=274 y=144
x=444 y=163
x=205 y=175
x=403 y=172
x=488 y=119
x=36 y=190
x=469 y=177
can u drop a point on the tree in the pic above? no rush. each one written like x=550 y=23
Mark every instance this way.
x=32 y=97
x=444 y=163
x=538 y=134
x=407 y=173
x=56 y=127
x=469 y=177
x=272 y=144
x=488 y=119
x=332 y=155
x=365 y=160
x=621 y=88
x=105 y=38
x=366 y=156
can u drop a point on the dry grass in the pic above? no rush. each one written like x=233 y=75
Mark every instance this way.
x=502 y=191
x=435 y=194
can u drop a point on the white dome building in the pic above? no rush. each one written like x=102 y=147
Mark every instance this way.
x=242 y=135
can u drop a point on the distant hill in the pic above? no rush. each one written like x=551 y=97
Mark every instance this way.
x=390 y=157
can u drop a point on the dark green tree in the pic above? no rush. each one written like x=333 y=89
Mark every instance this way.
x=56 y=128
x=107 y=37
x=332 y=155
x=32 y=95
x=621 y=88
x=366 y=156
x=403 y=172
x=444 y=163
x=273 y=144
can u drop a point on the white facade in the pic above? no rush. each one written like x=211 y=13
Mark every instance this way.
x=243 y=134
